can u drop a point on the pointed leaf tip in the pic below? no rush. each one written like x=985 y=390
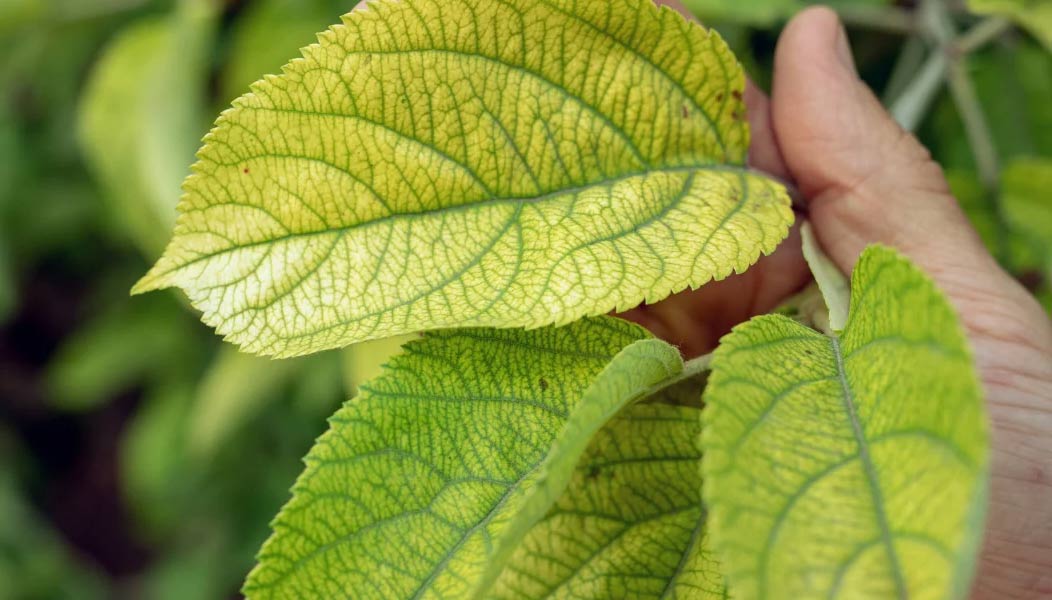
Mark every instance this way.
x=473 y=163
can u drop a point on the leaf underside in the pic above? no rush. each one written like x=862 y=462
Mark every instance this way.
x=427 y=483
x=494 y=163
x=852 y=466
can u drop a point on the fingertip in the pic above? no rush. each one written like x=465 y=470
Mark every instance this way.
x=816 y=38
x=830 y=125
x=814 y=23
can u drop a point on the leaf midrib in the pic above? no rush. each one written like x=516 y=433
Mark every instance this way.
x=452 y=208
x=480 y=526
x=848 y=398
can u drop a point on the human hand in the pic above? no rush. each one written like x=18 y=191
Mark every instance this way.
x=868 y=181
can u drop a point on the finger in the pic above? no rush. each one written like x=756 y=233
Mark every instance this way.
x=867 y=180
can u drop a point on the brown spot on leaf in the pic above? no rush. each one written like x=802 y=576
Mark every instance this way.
x=737 y=95
x=686 y=113
x=544 y=384
x=246 y=171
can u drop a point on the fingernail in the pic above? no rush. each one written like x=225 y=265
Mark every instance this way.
x=843 y=50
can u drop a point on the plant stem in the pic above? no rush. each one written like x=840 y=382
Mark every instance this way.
x=881 y=18
x=978 y=36
x=987 y=161
x=975 y=125
x=909 y=61
x=691 y=369
x=697 y=366
x=913 y=103
x=937 y=23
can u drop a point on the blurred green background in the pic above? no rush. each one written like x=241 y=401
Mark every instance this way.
x=142 y=458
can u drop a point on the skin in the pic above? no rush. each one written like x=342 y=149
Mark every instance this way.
x=868 y=181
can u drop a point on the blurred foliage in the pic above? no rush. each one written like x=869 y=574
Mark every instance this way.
x=142 y=458
x=1035 y=15
x=156 y=66
x=766 y=13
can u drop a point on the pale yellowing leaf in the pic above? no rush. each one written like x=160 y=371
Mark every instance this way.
x=434 y=164
x=631 y=523
x=427 y=482
x=853 y=465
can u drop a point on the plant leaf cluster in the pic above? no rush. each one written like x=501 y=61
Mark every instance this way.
x=193 y=444
x=499 y=175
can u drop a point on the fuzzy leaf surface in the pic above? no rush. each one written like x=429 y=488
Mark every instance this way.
x=849 y=466
x=426 y=483
x=497 y=163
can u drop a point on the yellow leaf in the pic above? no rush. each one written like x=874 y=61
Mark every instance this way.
x=434 y=164
x=849 y=465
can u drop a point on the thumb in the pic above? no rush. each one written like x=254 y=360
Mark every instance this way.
x=869 y=181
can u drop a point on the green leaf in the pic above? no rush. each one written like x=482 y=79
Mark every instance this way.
x=16 y=13
x=631 y=522
x=1014 y=252
x=1034 y=15
x=426 y=482
x=438 y=164
x=757 y=12
x=766 y=12
x=1014 y=83
x=110 y=353
x=153 y=464
x=235 y=387
x=851 y=466
x=142 y=114
x=1025 y=185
